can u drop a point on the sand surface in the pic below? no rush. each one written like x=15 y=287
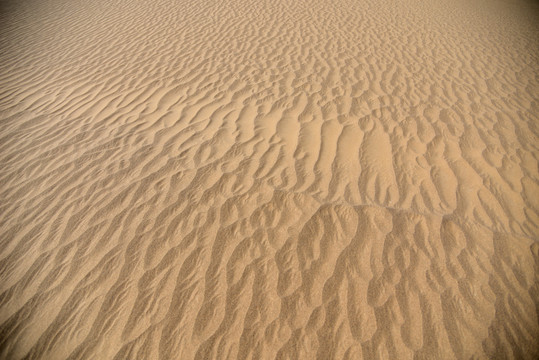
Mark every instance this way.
x=256 y=179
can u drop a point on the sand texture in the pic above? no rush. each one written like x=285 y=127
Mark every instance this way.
x=256 y=179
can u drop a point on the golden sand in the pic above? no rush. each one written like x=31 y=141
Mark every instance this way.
x=280 y=179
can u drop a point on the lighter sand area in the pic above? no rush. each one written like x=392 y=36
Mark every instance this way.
x=252 y=179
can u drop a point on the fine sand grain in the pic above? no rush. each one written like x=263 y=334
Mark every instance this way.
x=269 y=179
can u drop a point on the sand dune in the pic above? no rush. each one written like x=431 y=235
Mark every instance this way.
x=269 y=179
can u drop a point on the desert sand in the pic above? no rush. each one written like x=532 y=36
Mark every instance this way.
x=253 y=179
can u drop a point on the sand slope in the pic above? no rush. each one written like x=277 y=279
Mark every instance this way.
x=269 y=179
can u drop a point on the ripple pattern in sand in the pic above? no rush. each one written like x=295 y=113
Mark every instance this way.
x=269 y=180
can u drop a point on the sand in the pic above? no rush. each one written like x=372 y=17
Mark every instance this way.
x=246 y=179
